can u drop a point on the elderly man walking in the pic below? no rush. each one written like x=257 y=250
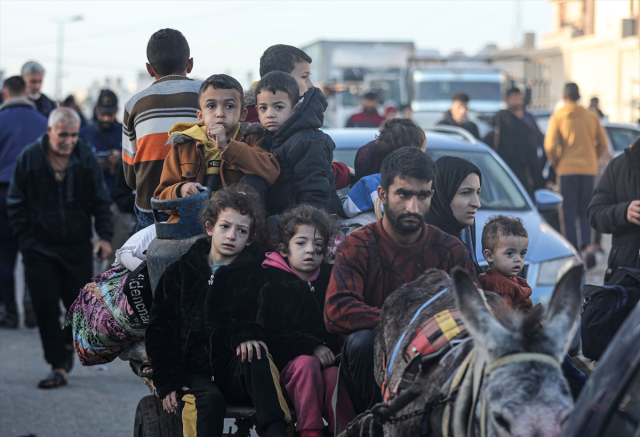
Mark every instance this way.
x=57 y=188
x=20 y=124
x=574 y=142
x=33 y=74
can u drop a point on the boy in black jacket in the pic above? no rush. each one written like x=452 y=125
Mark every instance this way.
x=304 y=152
x=202 y=331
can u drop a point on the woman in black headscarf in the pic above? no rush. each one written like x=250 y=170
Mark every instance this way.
x=456 y=201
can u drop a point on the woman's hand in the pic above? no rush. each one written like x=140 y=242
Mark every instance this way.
x=325 y=356
x=246 y=349
x=170 y=403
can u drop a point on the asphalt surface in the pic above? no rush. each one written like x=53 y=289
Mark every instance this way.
x=99 y=401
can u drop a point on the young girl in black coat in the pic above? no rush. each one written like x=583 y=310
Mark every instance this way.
x=290 y=312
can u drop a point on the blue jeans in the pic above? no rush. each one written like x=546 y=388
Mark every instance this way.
x=577 y=191
x=145 y=219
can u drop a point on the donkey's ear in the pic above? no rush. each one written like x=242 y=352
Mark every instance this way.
x=475 y=313
x=562 y=313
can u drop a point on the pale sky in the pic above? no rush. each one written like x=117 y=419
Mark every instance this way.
x=230 y=36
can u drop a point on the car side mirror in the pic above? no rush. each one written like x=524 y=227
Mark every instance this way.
x=547 y=200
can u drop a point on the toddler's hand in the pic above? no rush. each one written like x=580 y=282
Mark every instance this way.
x=189 y=189
x=170 y=402
x=246 y=349
x=325 y=356
x=215 y=132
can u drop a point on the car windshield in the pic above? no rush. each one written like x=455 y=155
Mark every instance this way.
x=442 y=90
x=499 y=191
x=622 y=138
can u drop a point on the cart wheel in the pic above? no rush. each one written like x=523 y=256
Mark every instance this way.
x=153 y=421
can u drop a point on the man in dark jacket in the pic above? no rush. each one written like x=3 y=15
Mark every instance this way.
x=33 y=73
x=457 y=115
x=615 y=209
x=57 y=189
x=106 y=138
x=20 y=124
x=304 y=152
x=515 y=142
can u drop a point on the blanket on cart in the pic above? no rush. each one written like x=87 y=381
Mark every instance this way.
x=103 y=320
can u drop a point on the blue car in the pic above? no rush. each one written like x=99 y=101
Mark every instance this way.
x=549 y=254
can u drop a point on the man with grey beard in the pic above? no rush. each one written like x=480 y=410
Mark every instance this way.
x=33 y=74
x=56 y=190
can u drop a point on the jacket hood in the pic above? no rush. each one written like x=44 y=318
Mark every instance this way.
x=183 y=132
x=275 y=260
x=310 y=115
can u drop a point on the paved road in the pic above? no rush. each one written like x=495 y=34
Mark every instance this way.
x=98 y=403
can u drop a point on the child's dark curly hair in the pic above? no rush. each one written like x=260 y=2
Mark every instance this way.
x=245 y=200
x=501 y=226
x=303 y=215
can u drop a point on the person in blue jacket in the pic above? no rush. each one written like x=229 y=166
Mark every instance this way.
x=20 y=124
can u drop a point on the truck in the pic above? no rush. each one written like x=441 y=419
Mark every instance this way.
x=433 y=86
x=346 y=70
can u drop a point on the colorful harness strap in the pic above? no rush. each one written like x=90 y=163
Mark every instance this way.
x=432 y=337
x=435 y=333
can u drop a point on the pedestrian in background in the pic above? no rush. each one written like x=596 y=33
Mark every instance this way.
x=369 y=116
x=105 y=135
x=457 y=115
x=20 y=124
x=56 y=192
x=515 y=141
x=33 y=74
x=615 y=209
x=574 y=142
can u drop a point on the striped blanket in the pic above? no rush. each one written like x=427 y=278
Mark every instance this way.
x=103 y=323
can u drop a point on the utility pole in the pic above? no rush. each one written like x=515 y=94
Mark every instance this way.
x=517 y=24
x=59 y=60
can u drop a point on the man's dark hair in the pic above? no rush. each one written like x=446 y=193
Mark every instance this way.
x=299 y=216
x=595 y=100
x=168 y=52
x=406 y=162
x=370 y=96
x=513 y=90
x=572 y=92
x=15 y=86
x=245 y=200
x=281 y=57
x=399 y=132
x=501 y=226
x=460 y=97
x=279 y=81
x=222 y=82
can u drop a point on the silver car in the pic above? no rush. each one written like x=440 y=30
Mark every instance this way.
x=549 y=252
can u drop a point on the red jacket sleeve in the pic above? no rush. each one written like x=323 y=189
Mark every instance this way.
x=345 y=311
x=342 y=174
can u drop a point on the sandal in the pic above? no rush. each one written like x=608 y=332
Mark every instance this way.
x=55 y=379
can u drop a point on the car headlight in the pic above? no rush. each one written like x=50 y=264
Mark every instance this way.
x=551 y=271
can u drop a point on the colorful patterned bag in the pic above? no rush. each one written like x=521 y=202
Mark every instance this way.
x=103 y=323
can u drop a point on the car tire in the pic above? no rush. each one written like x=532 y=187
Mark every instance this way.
x=152 y=421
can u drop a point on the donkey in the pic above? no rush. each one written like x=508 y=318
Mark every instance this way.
x=524 y=397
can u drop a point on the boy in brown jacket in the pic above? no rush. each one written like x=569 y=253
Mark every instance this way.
x=217 y=151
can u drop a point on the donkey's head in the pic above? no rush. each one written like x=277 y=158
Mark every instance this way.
x=528 y=397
